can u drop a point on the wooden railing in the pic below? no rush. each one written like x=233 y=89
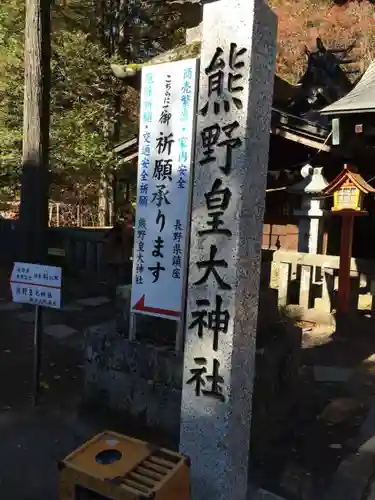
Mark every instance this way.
x=310 y=281
x=78 y=250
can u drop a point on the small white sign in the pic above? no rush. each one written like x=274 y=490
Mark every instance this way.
x=168 y=100
x=36 y=284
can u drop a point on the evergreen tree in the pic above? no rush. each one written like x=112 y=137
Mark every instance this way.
x=90 y=109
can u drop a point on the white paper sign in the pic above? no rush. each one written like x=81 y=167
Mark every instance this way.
x=36 y=284
x=168 y=103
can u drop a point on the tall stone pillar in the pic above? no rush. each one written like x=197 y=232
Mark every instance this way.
x=232 y=143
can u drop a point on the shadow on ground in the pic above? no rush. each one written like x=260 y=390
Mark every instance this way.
x=34 y=440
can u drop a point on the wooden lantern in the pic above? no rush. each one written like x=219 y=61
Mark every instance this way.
x=348 y=197
x=348 y=190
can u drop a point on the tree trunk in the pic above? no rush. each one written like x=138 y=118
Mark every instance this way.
x=115 y=141
x=33 y=222
x=104 y=200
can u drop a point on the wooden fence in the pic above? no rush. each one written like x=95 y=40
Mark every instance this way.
x=8 y=241
x=78 y=250
x=82 y=249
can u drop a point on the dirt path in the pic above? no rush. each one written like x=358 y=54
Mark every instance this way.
x=330 y=413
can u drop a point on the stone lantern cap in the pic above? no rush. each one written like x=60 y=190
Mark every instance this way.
x=313 y=182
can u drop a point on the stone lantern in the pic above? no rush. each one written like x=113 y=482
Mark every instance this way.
x=310 y=225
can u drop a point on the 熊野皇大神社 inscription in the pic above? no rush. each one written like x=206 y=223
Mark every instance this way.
x=224 y=97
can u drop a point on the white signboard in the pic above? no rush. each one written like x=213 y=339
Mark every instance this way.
x=168 y=103
x=36 y=284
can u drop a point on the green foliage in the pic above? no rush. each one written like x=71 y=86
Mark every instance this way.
x=90 y=109
x=11 y=92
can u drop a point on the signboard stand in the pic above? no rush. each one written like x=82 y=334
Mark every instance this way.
x=40 y=286
x=37 y=353
x=166 y=142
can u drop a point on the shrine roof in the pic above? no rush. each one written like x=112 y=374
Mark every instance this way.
x=349 y=174
x=361 y=99
x=311 y=130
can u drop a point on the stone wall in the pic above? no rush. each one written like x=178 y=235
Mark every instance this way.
x=142 y=380
x=276 y=393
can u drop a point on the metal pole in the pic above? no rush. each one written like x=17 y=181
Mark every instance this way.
x=37 y=352
x=132 y=325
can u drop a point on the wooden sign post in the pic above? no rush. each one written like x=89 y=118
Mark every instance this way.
x=346 y=242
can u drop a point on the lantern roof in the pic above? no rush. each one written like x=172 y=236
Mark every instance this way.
x=349 y=173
